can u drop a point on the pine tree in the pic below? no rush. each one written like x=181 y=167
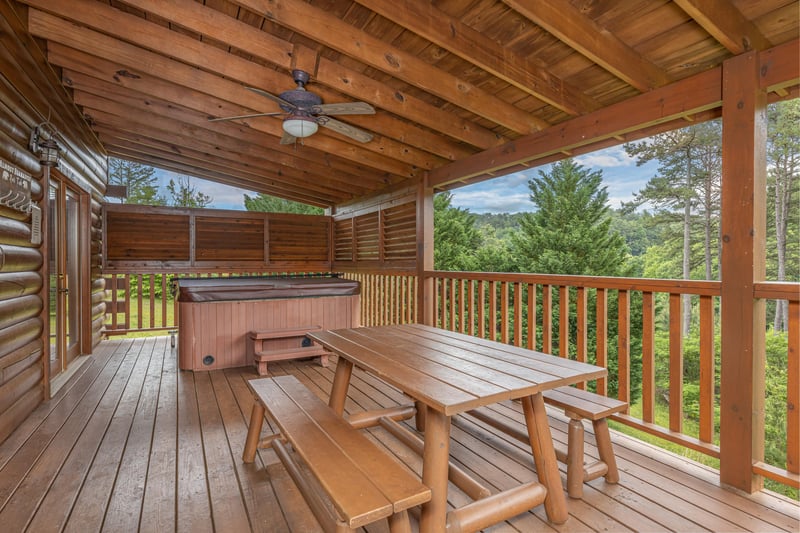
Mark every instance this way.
x=184 y=194
x=570 y=231
x=140 y=180
x=455 y=237
x=272 y=204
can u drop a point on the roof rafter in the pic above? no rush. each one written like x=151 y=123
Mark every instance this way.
x=726 y=24
x=585 y=36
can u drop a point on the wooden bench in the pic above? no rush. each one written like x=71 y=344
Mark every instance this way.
x=349 y=471
x=578 y=405
x=282 y=344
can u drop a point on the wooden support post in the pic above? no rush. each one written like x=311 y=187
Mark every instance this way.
x=426 y=313
x=435 y=462
x=744 y=124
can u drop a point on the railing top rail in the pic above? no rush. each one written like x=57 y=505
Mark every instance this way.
x=777 y=290
x=703 y=288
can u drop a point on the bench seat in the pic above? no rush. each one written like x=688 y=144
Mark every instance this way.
x=578 y=405
x=281 y=344
x=361 y=481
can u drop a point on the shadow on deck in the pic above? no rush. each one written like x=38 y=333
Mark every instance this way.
x=130 y=442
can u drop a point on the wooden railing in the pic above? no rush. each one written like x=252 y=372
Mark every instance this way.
x=634 y=327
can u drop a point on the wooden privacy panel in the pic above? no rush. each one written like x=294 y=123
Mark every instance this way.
x=146 y=235
x=343 y=240
x=379 y=235
x=296 y=238
x=400 y=233
x=229 y=239
x=368 y=237
x=167 y=238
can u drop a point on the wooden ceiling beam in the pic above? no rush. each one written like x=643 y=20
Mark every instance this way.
x=151 y=115
x=237 y=34
x=92 y=74
x=726 y=24
x=246 y=175
x=145 y=158
x=582 y=34
x=57 y=29
x=263 y=45
x=334 y=33
x=692 y=95
x=427 y=21
x=108 y=127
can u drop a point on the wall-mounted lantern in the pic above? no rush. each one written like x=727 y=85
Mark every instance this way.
x=43 y=144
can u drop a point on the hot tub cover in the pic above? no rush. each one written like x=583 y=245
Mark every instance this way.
x=262 y=288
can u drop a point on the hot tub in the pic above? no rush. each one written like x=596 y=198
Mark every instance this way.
x=215 y=315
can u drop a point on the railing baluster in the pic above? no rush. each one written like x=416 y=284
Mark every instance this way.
x=152 y=300
x=547 y=319
x=624 y=346
x=471 y=295
x=481 y=307
x=531 y=316
x=580 y=333
x=517 y=314
x=793 y=390
x=493 y=310
x=675 y=362
x=601 y=355
x=563 y=321
x=504 y=312
x=706 y=368
x=648 y=357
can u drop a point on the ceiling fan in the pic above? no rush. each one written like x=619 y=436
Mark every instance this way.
x=305 y=112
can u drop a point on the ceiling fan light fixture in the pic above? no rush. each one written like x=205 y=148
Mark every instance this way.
x=300 y=126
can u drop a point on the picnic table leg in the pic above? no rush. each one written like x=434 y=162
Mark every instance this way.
x=253 y=432
x=544 y=455
x=435 y=463
x=341 y=381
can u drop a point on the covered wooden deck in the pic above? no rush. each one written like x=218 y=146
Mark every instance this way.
x=130 y=442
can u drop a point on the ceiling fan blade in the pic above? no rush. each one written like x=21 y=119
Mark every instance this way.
x=344 y=108
x=288 y=138
x=245 y=116
x=345 y=129
x=276 y=99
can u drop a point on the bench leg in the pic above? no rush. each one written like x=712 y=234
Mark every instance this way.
x=323 y=360
x=253 y=432
x=575 y=438
x=261 y=368
x=606 y=452
x=399 y=523
x=419 y=417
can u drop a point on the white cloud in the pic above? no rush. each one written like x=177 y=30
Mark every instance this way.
x=501 y=200
x=608 y=158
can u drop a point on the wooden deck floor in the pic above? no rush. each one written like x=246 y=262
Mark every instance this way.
x=132 y=443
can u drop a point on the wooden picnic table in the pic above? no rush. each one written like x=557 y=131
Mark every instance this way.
x=448 y=373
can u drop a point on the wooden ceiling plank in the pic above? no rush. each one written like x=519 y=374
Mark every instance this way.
x=726 y=24
x=137 y=30
x=138 y=156
x=56 y=29
x=240 y=171
x=582 y=34
x=105 y=75
x=108 y=128
x=695 y=94
x=152 y=116
x=245 y=37
x=338 y=35
x=450 y=33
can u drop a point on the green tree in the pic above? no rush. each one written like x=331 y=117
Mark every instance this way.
x=570 y=231
x=184 y=194
x=783 y=193
x=272 y=204
x=140 y=180
x=455 y=236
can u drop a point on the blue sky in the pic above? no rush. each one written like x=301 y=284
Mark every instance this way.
x=508 y=194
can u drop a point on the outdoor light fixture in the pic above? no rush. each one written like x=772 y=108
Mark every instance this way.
x=300 y=125
x=44 y=145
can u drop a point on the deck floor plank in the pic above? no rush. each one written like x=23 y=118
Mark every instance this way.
x=131 y=443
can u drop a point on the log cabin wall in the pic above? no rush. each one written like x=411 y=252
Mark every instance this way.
x=30 y=94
